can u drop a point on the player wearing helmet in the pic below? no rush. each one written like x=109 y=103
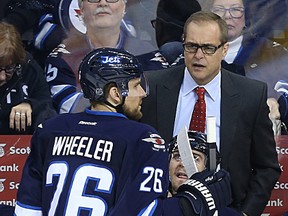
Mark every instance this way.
x=99 y=162
x=110 y=69
x=91 y=162
x=218 y=183
x=199 y=148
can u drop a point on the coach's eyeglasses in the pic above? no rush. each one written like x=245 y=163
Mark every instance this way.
x=206 y=48
x=97 y=1
x=235 y=12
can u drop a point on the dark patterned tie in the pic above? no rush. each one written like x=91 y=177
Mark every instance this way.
x=198 y=119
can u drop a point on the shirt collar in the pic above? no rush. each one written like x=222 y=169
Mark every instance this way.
x=189 y=85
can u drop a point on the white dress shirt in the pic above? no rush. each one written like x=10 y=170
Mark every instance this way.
x=187 y=99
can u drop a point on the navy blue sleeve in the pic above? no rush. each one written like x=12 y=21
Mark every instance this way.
x=62 y=81
x=150 y=180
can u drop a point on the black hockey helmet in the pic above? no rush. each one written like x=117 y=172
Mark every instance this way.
x=106 y=65
x=198 y=142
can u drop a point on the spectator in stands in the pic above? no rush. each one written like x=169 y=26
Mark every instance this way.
x=26 y=16
x=170 y=19
x=44 y=24
x=24 y=94
x=102 y=19
x=168 y=25
x=262 y=59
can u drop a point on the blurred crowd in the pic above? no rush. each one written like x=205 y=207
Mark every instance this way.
x=51 y=30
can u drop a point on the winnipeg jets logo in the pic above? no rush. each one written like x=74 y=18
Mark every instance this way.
x=160 y=58
x=158 y=142
x=209 y=179
x=61 y=48
x=75 y=16
x=2 y=152
x=111 y=60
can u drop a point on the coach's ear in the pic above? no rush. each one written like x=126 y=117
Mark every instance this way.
x=225 y=50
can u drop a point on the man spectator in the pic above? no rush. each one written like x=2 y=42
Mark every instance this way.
x=170 y=19
x=44 y=24
x=244 y=131
x=102 y=19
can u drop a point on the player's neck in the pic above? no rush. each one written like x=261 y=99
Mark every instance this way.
x=103 y=107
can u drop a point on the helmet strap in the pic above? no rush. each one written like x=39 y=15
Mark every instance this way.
x=109 y=104
x=119 y=107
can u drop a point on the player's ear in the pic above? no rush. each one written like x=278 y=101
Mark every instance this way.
x=114 y=95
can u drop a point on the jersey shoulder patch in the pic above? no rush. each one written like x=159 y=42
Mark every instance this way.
x=157 y=141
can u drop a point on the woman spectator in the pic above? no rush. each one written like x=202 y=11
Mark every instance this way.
x=24 y=95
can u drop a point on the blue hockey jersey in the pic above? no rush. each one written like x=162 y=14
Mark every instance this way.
x=95 y=163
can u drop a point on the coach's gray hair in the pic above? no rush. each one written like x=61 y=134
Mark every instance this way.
x=80 y=1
